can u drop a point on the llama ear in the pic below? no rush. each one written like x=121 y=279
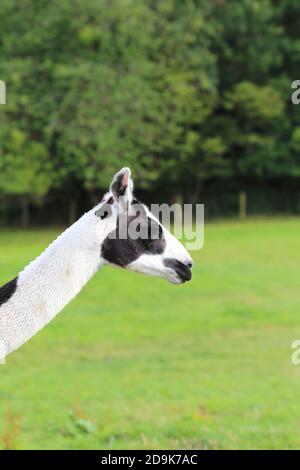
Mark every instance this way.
x=122 y=187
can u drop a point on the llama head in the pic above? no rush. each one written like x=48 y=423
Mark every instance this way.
x=134 y=239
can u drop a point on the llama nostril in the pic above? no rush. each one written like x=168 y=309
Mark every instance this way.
x=182 y=269
x=190 y=265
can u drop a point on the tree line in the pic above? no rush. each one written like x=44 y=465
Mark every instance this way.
x=183 y=91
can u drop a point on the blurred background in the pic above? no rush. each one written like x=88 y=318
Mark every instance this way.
x=194 y=96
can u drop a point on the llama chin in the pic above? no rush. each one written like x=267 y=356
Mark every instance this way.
x=47 y=284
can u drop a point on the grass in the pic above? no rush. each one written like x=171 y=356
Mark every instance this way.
x=134 y=362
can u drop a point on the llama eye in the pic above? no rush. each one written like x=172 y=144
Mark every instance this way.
x=104 y=215
x=103 y=212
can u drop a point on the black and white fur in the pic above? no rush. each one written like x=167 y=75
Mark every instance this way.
x=48 y=283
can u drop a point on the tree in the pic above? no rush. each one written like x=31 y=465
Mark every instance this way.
x=23 y=170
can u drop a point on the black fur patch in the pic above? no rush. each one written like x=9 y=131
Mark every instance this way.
x=7 y=291
x=122 y=251
x=119 y=187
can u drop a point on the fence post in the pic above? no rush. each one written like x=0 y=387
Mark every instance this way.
x=25 y=215
x=243 y=205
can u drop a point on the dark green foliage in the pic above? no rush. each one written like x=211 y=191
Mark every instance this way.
x=182 y=91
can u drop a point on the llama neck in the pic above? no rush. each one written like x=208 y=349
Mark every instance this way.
x=49 y=282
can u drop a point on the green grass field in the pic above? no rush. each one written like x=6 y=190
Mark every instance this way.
x=134 y=362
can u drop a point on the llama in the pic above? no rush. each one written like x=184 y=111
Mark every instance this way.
x=47 y=284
